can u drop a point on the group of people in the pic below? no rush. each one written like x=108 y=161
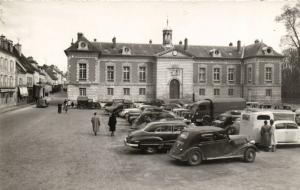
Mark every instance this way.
x=112 y=122
x=268 y=137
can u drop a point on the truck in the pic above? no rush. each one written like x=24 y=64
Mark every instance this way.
x=205 y=111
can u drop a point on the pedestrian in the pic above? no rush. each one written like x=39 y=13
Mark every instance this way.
x=72 y=104
x=266 y=136
x=66 y=107
x=273 y=136
x=112 y=124
x=95 y=123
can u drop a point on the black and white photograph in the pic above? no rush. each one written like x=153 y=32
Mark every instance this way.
x=149 y=94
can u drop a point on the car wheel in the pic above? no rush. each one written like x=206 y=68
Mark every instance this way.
x=194 y=158
x=150 y=150
x=249 y=155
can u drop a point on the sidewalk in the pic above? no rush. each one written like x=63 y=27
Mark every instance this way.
x=17 y=107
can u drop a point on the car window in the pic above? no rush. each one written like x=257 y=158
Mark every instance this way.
x=165 y=128
x=178 y=128
x=220 y=136
x=263 y=117
x=280 y=126
x=291 y=126
x=206 y=137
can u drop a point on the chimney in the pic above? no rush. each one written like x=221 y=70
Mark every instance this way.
x=2 y=38
x=185 y=44
x=230 y=44
x=238 y=45
x=114 y=42
x=79 y=35
x=256 y=41
x=150 y=41
x=180 y=42
x=10 y=46
x=19 y=48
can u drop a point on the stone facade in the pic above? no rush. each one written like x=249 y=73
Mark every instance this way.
x=142 y=72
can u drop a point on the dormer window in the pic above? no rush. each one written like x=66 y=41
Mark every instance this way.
x=126 y=51
x=215 y=53
x=267 y=50
x=82 y=46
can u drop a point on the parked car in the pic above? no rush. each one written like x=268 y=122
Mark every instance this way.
x=150 y=116
x=182 y=112
x=42 y=103
x=133 y=114
x=83 y=102
x=227 y=120
x=208 y=142
x=287 y=132
x=171 y=106
x=155 y=136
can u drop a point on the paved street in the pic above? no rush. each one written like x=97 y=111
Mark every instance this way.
x=40 y=149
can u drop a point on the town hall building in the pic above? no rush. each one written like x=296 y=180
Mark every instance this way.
x=142 y=72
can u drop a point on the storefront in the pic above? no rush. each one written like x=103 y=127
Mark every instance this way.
x=22 y=95
x=7 y=97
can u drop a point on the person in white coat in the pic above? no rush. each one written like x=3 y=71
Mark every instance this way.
x=273 y=136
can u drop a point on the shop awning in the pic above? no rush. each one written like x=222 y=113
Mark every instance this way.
x=23 y=91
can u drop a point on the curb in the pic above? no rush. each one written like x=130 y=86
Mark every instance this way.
x=13 y=108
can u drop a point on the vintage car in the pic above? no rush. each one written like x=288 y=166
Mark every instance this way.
x=155 y=136
x=208 y=142
x=150 y=116
x=42 y=103
x=287 y=132
x=83 y=102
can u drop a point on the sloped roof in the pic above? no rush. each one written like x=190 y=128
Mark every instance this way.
x=256 y=49
x=195 y=51
x=50 y=72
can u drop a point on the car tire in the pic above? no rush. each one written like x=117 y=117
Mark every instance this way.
x=249 y=155
x=194 y=158
x=150 y=150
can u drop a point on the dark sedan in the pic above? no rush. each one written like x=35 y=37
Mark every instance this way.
x=207 y=142
x=155 y=136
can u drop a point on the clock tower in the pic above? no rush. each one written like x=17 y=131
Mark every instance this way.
x=167 y=36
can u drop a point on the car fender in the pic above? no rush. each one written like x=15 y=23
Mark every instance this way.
x=242 y=149
x=186 y=152
x=151 y=140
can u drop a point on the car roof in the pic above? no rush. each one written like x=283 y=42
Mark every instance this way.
x=167 y=122
x=284 y=121
x=204 y=129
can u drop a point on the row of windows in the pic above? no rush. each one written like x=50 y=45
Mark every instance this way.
x=6 y=81
x=231 y=74
x=6 y=66
x=110 y=91
x=110 y=73
x=202 y=92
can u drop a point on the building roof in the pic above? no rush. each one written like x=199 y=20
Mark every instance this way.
x=154 y=50
x=50 y=72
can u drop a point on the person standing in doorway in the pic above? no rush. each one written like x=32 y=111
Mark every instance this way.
x=112 y=124
x=273 y=136
x=266 y=136
x=95 y=123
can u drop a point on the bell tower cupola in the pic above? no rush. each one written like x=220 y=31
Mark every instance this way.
x=167 y=35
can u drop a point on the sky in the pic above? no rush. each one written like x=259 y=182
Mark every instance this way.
x=45 y=28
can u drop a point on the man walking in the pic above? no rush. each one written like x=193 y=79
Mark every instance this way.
x=266 y=135
x=112 y=124
x=95 y=123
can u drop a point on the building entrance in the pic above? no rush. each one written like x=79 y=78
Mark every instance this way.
x=174 y=89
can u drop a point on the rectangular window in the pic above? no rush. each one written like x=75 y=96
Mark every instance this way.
x=20 y=81
x=126 y=74
x=268 y=92
x=82 y=71
x=216 y=74
x=29 y=81
x=230 y=92
x=230 y=76
x=142 y=74
x=142 y=91
x=217 y=92
x=126 y=91
x=110 y=91
x=268 y=74
x=249 y=72
x=82 y=91
x=202 y=74
x=202 y=92
x=110 y=73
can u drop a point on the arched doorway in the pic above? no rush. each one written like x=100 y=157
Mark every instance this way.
x=174 y=89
